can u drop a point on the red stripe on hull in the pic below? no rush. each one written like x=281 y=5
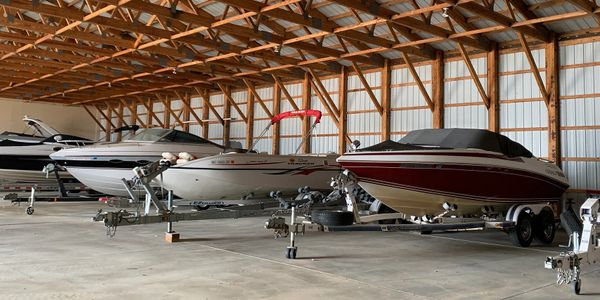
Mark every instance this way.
x=468 y=182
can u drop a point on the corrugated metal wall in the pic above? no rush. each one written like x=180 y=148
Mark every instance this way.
x=523 y=113
x=324 y=137
x=463 y=106
x=215 y=128
x=290 y=130
x=197 y=105
x=237 y=131
x=409 y=110
x=261 y=120
x=580 y=114
x=364 y=121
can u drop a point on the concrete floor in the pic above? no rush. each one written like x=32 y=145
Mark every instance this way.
x=58 y=253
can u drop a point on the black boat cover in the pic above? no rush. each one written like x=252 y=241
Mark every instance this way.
x=452 y=138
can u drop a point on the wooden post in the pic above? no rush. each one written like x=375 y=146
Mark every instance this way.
x=109 y=124
x=166 y=113
x=386 y=102
x=205 y=107
x=186 y=101
x=149 y=111
x=552 y=82
x=437 y=90
x=342 y=96
x=226 y=115
x=276 y=110
x=493 y=79
x=250 y=116
x=306 y=97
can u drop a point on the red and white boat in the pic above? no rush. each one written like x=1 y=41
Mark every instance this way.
x=466 y=169
x=247 y=174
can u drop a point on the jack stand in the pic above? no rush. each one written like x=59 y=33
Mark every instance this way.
x=170 y=236
x=292 y=250
x=30 y=209
x=586 y=248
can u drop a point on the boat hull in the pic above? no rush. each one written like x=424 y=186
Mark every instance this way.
x=235 y=176
x=102 y=167
x=419 y=183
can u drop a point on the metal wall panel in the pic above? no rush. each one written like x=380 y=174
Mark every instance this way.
x=363 y=120
x=409 y=108
x=290 y=129
x=324 y=137
x=463 y=106
x=523 y=113
x=261 y=120
x=580 y=115
x=215 y=129
x=237 y=131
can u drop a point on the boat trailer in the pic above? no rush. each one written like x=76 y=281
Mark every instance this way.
x=61 y=191
x=345 y=185
x=165 y=212
x=586 y=247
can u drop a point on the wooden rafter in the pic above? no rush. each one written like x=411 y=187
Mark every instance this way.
x=415 y=75
x=229 y=99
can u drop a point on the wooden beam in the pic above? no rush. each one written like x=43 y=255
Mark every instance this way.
x=150 y=108
x=262 y=104
x=534 y=69
x=94 y=118
x=362 y=78
x=553 y=82
x=285 y=92
x=109 y=124
x=437 y=90
x=474 y=75
x=227 y=95
x=493 y=82
x=205 y=111
x=133 y=110
x=320 y=87
x=250 y=114
x=206 y=100
x=386 y=80
x=417 y=79
x=342 y=123
x=276 y=110
x=323 y=100
x=227 y=114
x=187 y=104
x=306 y=104
x=167 y=103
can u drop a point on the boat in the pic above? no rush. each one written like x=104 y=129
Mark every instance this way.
x=433 y=171
x=243 y=175
x=102 y=166
x=24 y=156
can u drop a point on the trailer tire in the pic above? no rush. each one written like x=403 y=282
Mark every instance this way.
x=545 y=227
x=332 y=217
x=576 y=286
x=522 y=234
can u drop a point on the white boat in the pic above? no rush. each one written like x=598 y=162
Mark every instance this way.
x=24 y=156
x=466 y=169
x=234 y=176
x=102 y=166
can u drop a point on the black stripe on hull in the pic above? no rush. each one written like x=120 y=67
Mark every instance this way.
x=24 y=162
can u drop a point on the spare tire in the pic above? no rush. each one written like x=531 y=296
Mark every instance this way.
x=332 y=217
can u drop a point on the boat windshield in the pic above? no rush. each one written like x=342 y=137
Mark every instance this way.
x=171 y=136
x=151 y=134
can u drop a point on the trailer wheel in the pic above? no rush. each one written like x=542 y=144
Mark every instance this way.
x=290 y=252
x=576 y=286
x=29 y=210
x=332 y=217
x=545 y=227
x=522 y=234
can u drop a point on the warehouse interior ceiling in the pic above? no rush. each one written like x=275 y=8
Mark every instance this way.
x=84 y=51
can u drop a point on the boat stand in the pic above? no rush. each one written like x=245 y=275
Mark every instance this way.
x=586 y=247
